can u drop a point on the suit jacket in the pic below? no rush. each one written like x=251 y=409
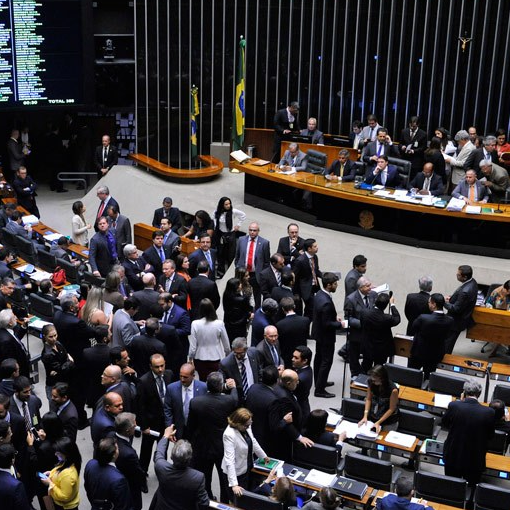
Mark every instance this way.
x=69 y=418
x=151 y=256
x=418 y=143
x=199 y=288
x=101 y=425
x=393 y=502
x=173 y=214
x=317 y=137
x=110 y=201
x=96 y=359
x=416 y=304
x=34 y=408
x=353 y=307
x=376 y=335
x=474 y=158
x=462 y=190
x=179 y=287
x=350 y=170
x=133 y=270
x=462 y=303
x=106 y=483
x=302 y=392
x=304 y=277
x=392 y=177
x=73 y=334
x=17 y=229
x=171 y=241
x=123 y=329
x=284 y=249
x=26 y=198
x=180 y=320
x=458 y=162
x=351 y=281
x=125 y=390
x=430 y=332
x=300 y=162
x=324 y=323
x=267 y=281
x=206 y=423
x=179 y=489
x=141 y=349
x=436 y=186
x=265 y=355
x=100 y=258
x=148 y=299
x=149 y=406
x=261 y=256
x=13 y=493
x=469 y=423
x=12 y=348
x=281 y=123
x=391 y=151
x=122 y=232
x=278 y=293
x=230 y=370
x=260 y=321
x=293 y=330
x=174 y=412
x=15 y=153
x=111 y=159
x=128 y=464
x=196 y=257
x=499 y=179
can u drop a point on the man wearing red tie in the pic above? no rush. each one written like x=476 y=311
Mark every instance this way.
x=106 y=200
x=106 y=156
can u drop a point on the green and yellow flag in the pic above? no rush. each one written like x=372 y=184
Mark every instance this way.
x=194 y=111
x=239 y=103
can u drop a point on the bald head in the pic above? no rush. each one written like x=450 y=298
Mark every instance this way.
x=428 y=168
x=289 y=379
x=113 y=403
x=111 y=375
x=148 y=280
x=187 y=374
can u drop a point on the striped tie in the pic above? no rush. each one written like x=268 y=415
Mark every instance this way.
x=244 y=377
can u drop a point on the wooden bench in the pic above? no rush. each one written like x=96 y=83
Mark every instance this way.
x=213 y=167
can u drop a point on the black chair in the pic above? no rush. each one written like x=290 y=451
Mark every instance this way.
x=9 y=239
x=97 y=281
x=448 y=490
x=251 y=501
x=41 y=307
x=404 y=170
x=502 y=392
x=498 y=443
x=361 y=168
x=446 y=384
x=321 y=457
x=317 y=162
x=71 y=270
x=405 y=376
x=352 y=409
x=19 y=303
x=491 y=497
x=421 y=425
x=374 y=472
x=26 y=250
x=47 y=261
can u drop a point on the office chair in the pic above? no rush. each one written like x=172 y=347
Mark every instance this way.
x=321 y=457
x=502 y=392
x=491 y=497
x=41 y=307
x=352 y=409
x=97 y=281
x=317 y=162
x=446 y=384
x=70 y=269
x=405 y=376
x=498 y=443
x=448 y=490
x=47 y=261
x=251 y=501
x=403 y=168
x=9 y=239
x=422 y=425
x=376 y=473
x=26 y=250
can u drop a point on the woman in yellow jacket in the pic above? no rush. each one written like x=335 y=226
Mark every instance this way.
x=63 y=480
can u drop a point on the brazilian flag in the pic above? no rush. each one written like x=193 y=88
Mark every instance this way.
x=194 y=111
x=238 y=114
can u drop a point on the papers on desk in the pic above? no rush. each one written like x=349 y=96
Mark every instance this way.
x=455 y=204
x=37 y=323
x=38 y=275
x=54 y=236
x=383 y=193
x=261 y=162
x=333 y=419
x=400 y=439
x=263 y=466
x=286 y=172
x=319 y=479
x=473 y=209
x=352 y=430
x=398 y=193
x=240 y=156
x=442 y=400
x=30 y=220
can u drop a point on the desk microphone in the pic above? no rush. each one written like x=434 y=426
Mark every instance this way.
x=498 y=210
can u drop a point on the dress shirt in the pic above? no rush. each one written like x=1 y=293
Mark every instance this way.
x=249 y=372
x=159 y=377
x=62 y=407
x=248 y=252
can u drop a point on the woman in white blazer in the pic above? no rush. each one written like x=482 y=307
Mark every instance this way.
x=79 y=225
x=208 y=341
x=238 y=443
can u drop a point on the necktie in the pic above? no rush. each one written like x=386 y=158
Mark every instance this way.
x=275 y=355
x=472 y=193
x=161 y=387
x=379 y=149
x=114 y=224
x=383 y=177
x=165 y=316
x=312 y=265
x=278 y=278
x=366 y=301
x=426 y=184
x=122 y=290
x=209 y=259
x=26 y=416
x=161 y=254
x=249 y=261
x=168 y=284
x=371 y=133
x=185 y=406
x=412 y=134
x=105 y=156
x=341 y=170
x=101 y=210
x=244 y=377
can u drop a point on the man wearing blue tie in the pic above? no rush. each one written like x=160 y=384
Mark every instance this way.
x=157 y=253
x=293 y=159
x=204 y=253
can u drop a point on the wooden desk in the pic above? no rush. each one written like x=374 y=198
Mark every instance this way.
x=330 y=151
x=463 y=365
x=381 y=445
x=143 y=239
x=341 y=206
x=490 y=325
x=403 y=344
x=21 y=263
x=500 y=372
x=413 y=398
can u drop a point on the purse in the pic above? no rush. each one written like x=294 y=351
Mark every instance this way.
x=59 y=276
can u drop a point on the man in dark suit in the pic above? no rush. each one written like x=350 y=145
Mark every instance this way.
x=174 y=284
x=316 y=136
x=461 y=304
x=96 y=359
x=147 y=297
x=301 y=363
x=291 y=246
x=174 y=315
x=135 y=266
x=102 y=423
x=470 y=189
x=418 y=302
x=470 y=425
x=12 y=491
x=180 y=486
x=285 y=419
x=293 y=330
x=170 y=239
x=202 y=287
x=242 y=365
x=271 y=277
x=15 y=153
x=102 y=250
x=413 y=142
x=381 y=146
x=150 y=397
x=65 y=409
x=286 y=290
x=11 y=344
x=25 y=188
x=495 y=178
x=264 y=316
x=376 y=336
x=106 y=157
x=342 y=169
x=105 y=200
x=268 y=350
x=487 y=152
x=144 y=346
x=207 y=421
x=359 y=268
x=17 y=424
x=178 y=397
x=9 y=370
x=167 y=211
x=111 y=380
x=156 y=254
x=307 y=274
x=204 y=253
x=361 y=299
x=430 y=331
x=127 y=461
x=121 y=228
x=258 y=400
x=25 y=404
x=285 y=122
x=383 y=174
x=253 y=253
x=324 y=327
x=427 y=182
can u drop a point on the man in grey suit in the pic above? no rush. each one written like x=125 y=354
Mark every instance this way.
x=471 y=189
x=316 y=136
x=170 y=239
x=120 y=226
x=495 y=179
x=180 y=486
x=293 y=159
x=458 y=162
x=15 y=225
x=253 y=253
x=103 y=249
x=382 y=146
x=123 y=326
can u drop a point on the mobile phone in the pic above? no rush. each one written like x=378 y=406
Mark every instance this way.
x=293 y=473
x=42 y=476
